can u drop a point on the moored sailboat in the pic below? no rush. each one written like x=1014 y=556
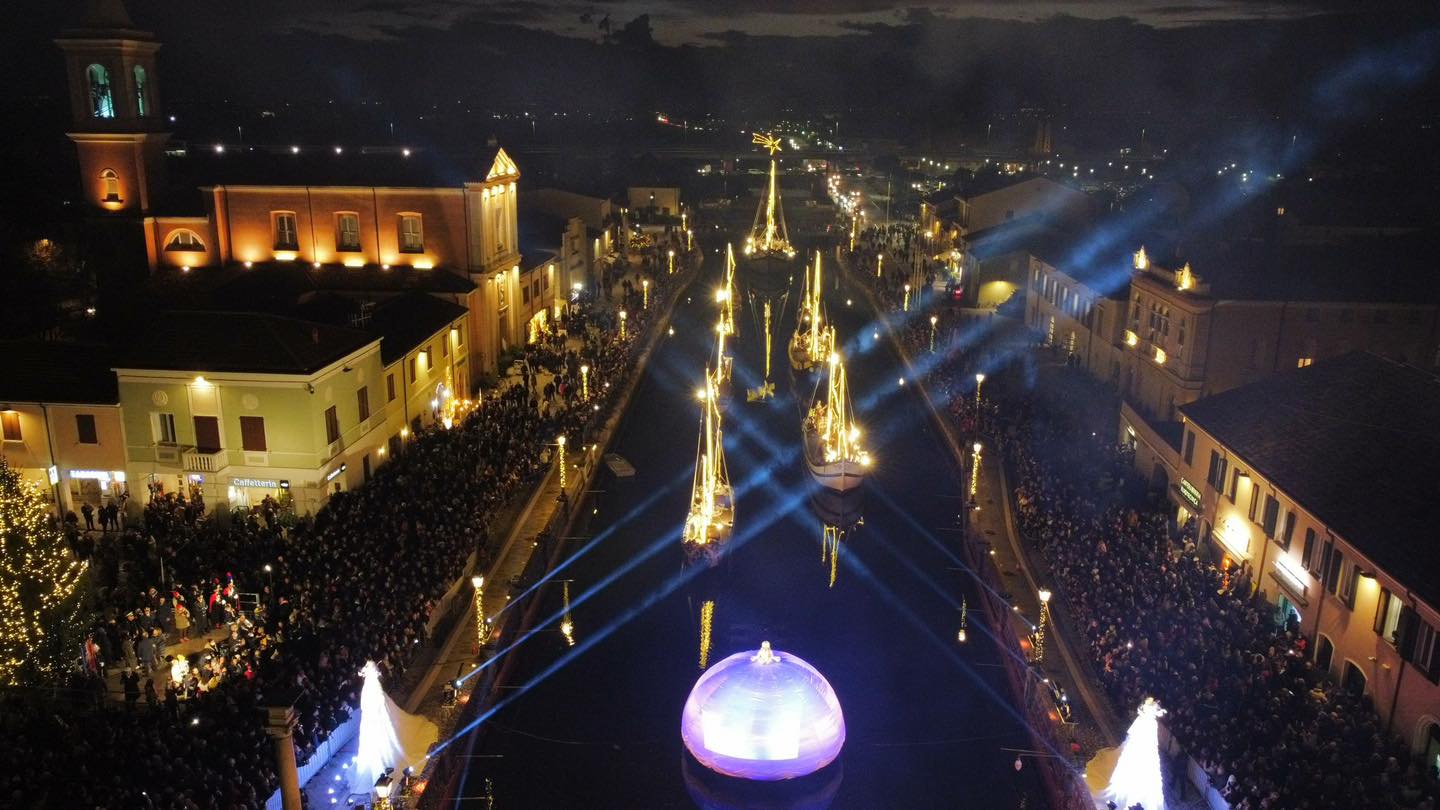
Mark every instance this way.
x=833 y=452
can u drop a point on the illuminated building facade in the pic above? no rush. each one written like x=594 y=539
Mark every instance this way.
x=1187 y=335
x=291 y=408
x=1314 y=479
x=389 y=210
x=60 y=425
x=116 y=114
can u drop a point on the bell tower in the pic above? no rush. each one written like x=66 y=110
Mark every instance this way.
x=116 y=116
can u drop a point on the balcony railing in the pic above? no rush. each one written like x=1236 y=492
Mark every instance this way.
x=202 y=462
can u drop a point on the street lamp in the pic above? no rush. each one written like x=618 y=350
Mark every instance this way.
x=481 y=622
x=906 y=305
x=979 y=380
x=933 y=320
x=561 y=443
x=645 y=289
x=974 y=472
x=671 y=261
x=382 y=792
x=879 y=263
x=623 y=316
x=584 y=381
x=1040 y=628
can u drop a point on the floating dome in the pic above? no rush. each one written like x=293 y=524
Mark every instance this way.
x=763 y=715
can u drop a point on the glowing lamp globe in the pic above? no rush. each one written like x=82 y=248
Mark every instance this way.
x=763 y=715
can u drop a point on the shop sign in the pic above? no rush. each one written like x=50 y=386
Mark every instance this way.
x=1190 y=493
x=54 y=473
x=96 y=475
x=330 y=476
x=261 y=483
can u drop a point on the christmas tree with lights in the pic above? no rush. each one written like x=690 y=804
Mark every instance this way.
x=39 y=587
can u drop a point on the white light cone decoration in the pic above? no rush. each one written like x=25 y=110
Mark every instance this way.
x=1137 y=778
x=764 y=715
x=389 y=737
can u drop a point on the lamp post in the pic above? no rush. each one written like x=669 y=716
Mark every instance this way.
x=879 y=263
x=906 y=305
x=670 y=255
x=974 y=472
x=689 y=239
x=979 y=380
x=481 y=622
x=645 y=292
x=584 y=381
x=1040 y=628
x=623 y=316
x=382 y=792
x=933 y=320
x=561 y=443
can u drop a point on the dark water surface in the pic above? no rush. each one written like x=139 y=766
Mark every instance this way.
x=598 y=725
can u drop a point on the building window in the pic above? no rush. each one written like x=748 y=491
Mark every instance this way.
x=1387 y=616
x=142 y=93
x=1304 y=361
x=85 y=428
x=1417 y=645
x=1332 y=560
x=390 y=387
x=347 y=232
x=414 y=375
x=183 y=240
x=10 y=424
x=412 y=234
x=1307 y=551
x=252 y=433
x=162 y=427
x=1271 y=516
x=1235 y=486
x=1288 y=533
x=362 y=401
x=111 y=183
x=287 y=235
x=1254 y=499
x=332 y=425
x=102 y=105
x=425 y=355
x=1189 y=447
x=1348 y=585
x=1216 y=476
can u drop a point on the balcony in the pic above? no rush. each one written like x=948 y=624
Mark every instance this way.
x=197 y=461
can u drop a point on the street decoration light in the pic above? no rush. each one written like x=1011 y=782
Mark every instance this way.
x=481 y=622
x=979 y=380
x=933 y=321
x=584 y=381
x=1040 y=628
x=623 y=316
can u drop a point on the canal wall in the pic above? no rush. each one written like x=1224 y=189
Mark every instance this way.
x=446 y=777
x=1064 y=784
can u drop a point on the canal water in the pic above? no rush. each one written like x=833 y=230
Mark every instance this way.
x=597 y=724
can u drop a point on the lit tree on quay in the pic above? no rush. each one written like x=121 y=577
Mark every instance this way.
x=39 y=587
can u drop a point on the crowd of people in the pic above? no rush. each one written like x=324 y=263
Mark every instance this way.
x=1162 y=618
x=287 y=606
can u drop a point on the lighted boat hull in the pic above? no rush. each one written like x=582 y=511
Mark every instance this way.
x=840 y=476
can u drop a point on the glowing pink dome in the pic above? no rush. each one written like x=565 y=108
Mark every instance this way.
x=764 y=715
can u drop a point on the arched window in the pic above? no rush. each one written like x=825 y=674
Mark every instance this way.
x=1324 y=652
x=102 y=105
x=142 y=93
x=186 y=241
x=111 y=180
x=1353 y=680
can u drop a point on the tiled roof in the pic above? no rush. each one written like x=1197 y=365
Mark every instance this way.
x=241 y=342
x=1354 y=440
x=406 y=321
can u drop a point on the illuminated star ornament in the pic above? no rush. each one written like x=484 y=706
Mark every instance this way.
x=764 y=715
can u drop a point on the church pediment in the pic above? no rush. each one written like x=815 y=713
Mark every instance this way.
x=502 y=166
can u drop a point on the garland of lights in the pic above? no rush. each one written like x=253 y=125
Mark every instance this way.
x=38 y=586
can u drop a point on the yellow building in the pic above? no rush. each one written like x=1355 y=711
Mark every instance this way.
x=1196 y=330
x=237 y=406
x=60 y=425
x=1316 y=480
